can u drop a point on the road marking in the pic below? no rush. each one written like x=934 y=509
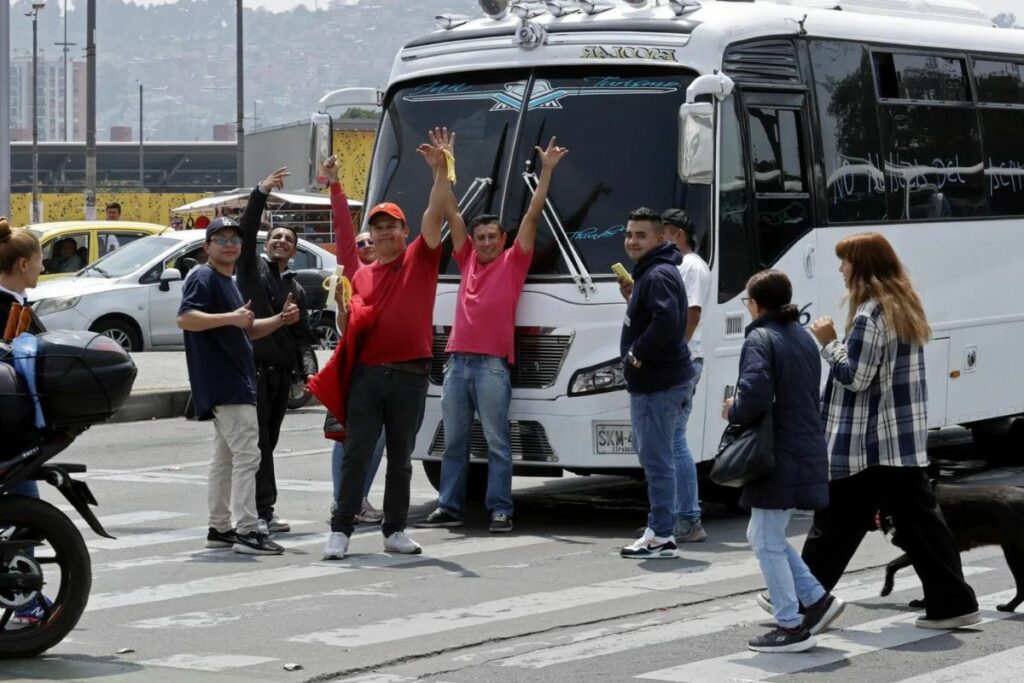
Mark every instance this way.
x=211 y=662
x=520 y=606
x=999 y=667
x=306 y=485
x=158 y=537
x=716 y=620
x=287 y=574
x=834 y=646
x=378 y=678
x=130 y=518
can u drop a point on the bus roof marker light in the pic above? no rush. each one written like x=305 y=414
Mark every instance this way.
x=594 y=6
x=450 y=21
x=681 y=7
x=495 y=9
x=560 y=8
x=526 y=11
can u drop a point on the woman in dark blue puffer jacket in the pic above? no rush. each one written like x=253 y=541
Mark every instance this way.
x=780 y=371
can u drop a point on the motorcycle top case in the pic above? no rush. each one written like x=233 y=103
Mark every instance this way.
x=82 y=377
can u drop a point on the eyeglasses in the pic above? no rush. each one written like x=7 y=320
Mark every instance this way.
x=225 y=241
x=362 y=244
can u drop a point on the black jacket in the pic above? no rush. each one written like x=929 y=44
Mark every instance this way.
x=786 y=381
x=655 y=325
x=35 y=327
x=268 y=288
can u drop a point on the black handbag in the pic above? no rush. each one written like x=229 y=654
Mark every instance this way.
x=745 y=452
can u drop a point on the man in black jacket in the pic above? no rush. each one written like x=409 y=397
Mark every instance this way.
x=266 y=281
x=657 y=367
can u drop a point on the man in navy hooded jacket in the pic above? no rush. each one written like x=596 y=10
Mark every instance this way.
x=656 y=366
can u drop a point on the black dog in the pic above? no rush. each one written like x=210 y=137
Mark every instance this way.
x=977 y=516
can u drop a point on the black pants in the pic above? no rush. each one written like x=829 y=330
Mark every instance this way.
x=905 y=493
x=378 y=398
x=272 y=387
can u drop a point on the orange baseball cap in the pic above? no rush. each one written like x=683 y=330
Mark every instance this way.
x=390 y=209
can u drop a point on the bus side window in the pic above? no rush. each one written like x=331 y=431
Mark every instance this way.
x=735 y=252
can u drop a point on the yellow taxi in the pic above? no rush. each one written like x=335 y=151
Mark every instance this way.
x=69 y=246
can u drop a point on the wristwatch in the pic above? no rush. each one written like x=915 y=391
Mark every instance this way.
x=633 y=360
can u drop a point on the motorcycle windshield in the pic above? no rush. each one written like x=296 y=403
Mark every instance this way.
x=619 y=123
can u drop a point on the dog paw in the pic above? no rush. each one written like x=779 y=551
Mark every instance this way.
x=1007 y=607
x=886 y=589
x=918 y=604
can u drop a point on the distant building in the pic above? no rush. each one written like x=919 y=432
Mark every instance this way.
x=61 y=104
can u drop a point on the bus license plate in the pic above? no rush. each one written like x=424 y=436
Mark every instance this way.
x=613 y=438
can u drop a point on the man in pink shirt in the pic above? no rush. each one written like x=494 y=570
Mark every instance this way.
x=476 y=377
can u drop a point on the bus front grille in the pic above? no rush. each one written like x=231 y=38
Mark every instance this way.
x=539 y=356
x=527 y=439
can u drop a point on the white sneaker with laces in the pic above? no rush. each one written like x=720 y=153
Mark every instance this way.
x=398 y=542
x=369 y=514
x=337 y=546
x=278 y=525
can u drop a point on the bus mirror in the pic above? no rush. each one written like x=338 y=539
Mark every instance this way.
x=696 y=143
x=321 y=147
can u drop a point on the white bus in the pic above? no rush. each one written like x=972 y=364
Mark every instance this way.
x=780 y=128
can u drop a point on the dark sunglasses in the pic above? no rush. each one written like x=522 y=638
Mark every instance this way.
x=225 y=241
x=362 y=244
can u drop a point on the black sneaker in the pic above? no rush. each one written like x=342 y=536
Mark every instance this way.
x=439 y=518
x=782 y=639
x=817 y=617
x=501 y=524
x=220 y=539
x=255 y=543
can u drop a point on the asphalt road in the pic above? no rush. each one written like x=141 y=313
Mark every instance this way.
x=552 y=601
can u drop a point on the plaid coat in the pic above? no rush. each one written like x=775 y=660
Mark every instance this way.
x=875 y=403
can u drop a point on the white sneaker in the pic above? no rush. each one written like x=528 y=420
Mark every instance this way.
x=278 y=525
x=337 y=546
x=261 y=527
x=398 y=542
x=369 y=514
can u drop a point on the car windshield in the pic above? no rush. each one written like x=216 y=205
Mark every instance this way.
x=131 y=257
x=619 y=123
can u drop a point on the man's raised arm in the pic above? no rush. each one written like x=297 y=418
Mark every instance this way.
x=549 y=158
x=341 y=221
x=441 y=197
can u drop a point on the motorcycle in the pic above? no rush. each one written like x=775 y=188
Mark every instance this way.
x=53 y=387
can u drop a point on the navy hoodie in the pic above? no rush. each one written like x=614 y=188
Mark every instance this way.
x=655 y=324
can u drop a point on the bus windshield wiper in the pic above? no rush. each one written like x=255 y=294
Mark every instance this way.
x=572 y=258
x=467 y=201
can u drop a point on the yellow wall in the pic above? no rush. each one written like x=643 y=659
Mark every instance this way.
x=149 y=207
x=354 y=148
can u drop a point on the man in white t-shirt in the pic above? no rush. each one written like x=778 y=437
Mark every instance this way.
x=697 y=282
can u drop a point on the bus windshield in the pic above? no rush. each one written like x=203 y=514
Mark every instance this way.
x=619 y=123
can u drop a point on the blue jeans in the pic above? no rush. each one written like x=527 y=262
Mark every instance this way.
x=478 y=384
x=789 y=581
x=338 y=457
x=654 y=417
x=687 y=501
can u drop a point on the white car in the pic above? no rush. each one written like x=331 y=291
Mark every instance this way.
x=132 y=294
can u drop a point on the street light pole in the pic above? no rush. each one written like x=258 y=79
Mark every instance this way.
x=34 y=12
x=239 y=97
x=68 y=131
x=142 y=180
x=5 y=112
x=90 y=110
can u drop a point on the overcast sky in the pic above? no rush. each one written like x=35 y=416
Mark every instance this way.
x=992 y=7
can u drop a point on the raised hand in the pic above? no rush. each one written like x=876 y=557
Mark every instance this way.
x=550 y=157
x=290 y=312
x=242 y=317
x=275 y=181
x=433 y=152
x=329 y=169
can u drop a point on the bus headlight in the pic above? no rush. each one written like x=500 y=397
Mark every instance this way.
x=55 y=305
x=597 y=379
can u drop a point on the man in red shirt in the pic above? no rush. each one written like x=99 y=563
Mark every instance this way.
x=476 y=377
x=389 y=383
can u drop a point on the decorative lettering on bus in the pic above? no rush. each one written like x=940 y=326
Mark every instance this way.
x=598 y=233
x=657 y=54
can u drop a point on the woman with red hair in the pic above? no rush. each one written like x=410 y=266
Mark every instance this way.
x=875 y=414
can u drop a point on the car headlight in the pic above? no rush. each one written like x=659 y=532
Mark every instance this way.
x=55 y=305
x=598 y=379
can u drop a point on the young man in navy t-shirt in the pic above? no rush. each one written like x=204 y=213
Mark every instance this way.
x=219 y=328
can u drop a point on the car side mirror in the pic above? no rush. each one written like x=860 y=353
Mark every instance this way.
x=697 y=143
x=168 y=276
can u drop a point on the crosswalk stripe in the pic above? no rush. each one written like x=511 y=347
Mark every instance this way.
x=835 y=646
x=516 y=607
x=130 y=518
x=999 y=667
x=378 y=678
x=307 y=485
x=158 y=537
x=275 y=575
x=741 y=613
x=209 y=662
